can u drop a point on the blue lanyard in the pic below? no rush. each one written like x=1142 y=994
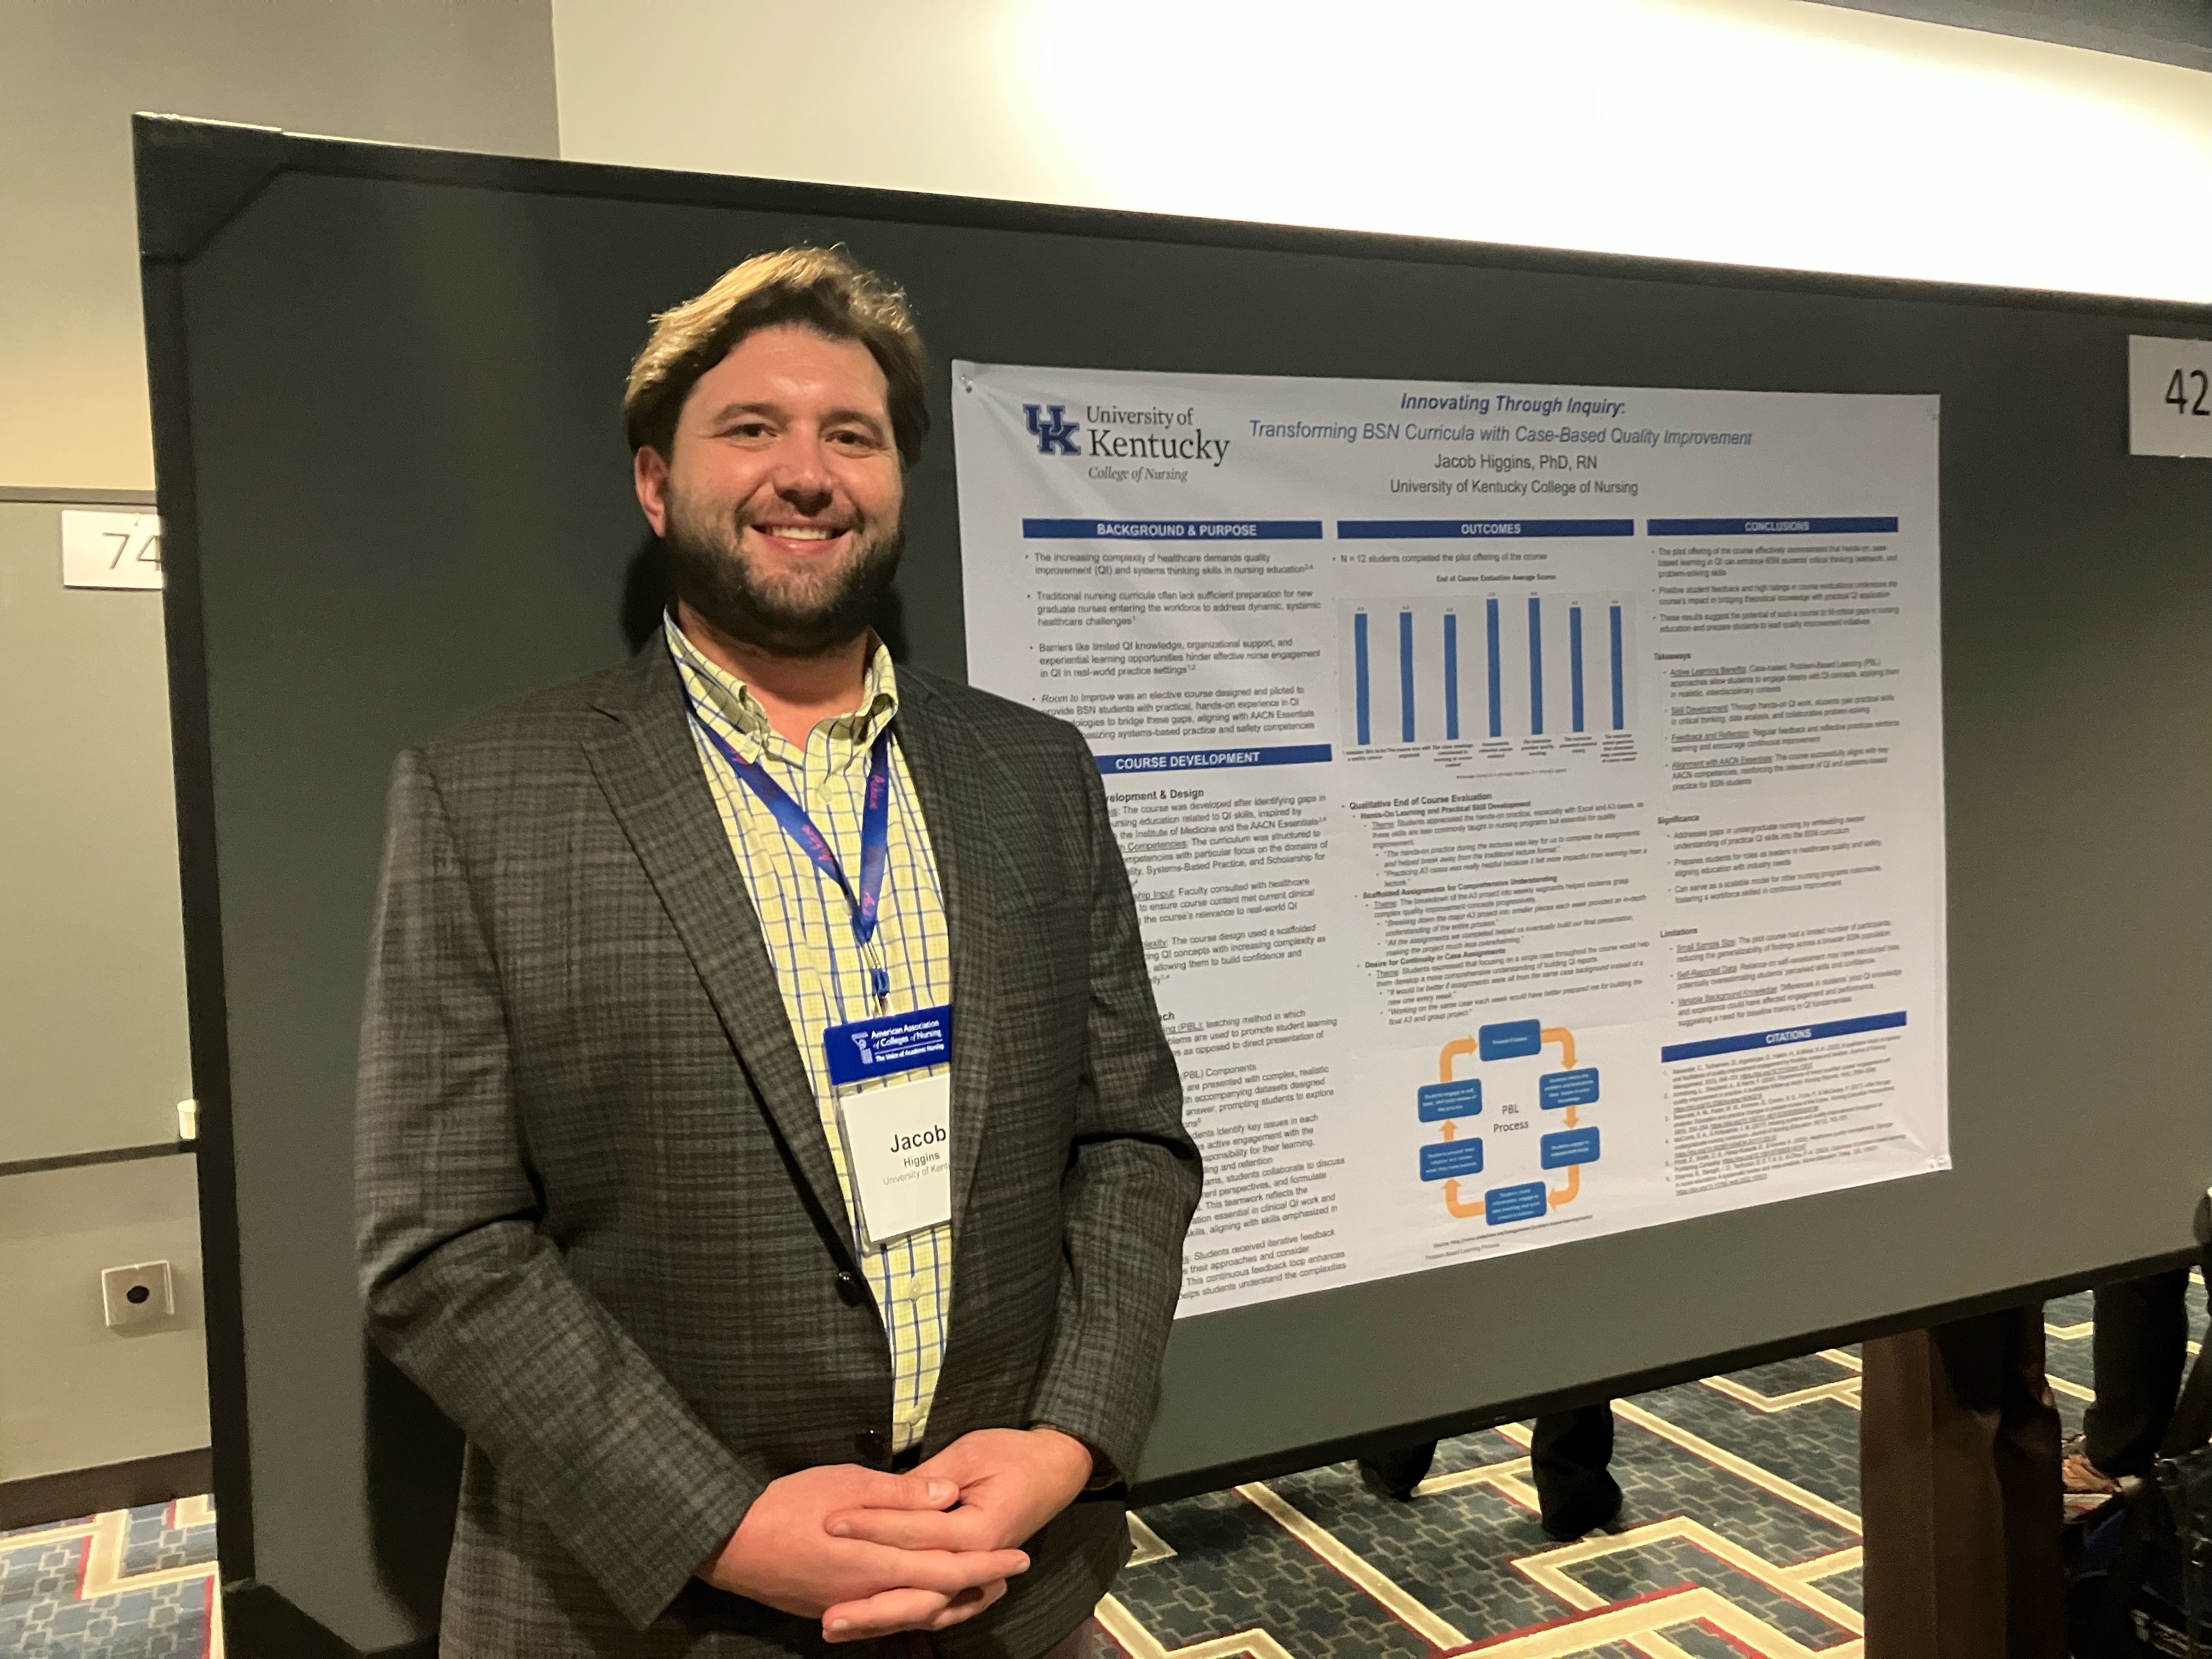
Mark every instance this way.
x=875 y=837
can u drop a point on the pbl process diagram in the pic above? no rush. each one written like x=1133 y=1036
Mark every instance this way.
x=1452 y=1098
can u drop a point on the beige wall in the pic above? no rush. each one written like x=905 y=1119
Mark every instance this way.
x=91 y=1021
x=93 y=1055
x=1769 y=132
x=463 y=74
x=75 y=1394
x=93 y=1052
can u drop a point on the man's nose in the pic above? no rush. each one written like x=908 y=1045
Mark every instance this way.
x=802 y=476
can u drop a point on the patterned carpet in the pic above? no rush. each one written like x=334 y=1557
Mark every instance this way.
x=128 y=1584
x=1741 y=1536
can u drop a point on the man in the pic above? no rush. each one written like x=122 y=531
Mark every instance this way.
x=1570 y=1455
x=768 y=1327
x=2139 y=1350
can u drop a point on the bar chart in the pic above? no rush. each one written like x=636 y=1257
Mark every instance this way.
x=1493 y=668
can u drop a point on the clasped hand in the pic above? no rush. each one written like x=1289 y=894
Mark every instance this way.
x=870 y=1553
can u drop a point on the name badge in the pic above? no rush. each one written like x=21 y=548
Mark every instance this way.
x=898 y=1151
x=869 y=1049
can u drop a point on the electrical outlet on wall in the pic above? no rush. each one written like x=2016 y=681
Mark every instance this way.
x=142 y=1294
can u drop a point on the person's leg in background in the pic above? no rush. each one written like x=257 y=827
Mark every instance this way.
x=1571 y=1456
x=1958 y=1490
x=2140 y=1350
x=1394 y=1471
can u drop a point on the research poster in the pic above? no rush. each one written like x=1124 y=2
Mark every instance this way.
x=1532 y=794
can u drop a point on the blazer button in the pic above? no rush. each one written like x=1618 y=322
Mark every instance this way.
x=850 y=1290
x=872 y=1444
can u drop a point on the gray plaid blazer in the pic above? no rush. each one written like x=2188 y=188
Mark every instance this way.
x=599 y=1223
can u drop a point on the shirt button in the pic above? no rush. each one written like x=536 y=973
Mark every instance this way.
x=850 y=1291
x=873 y=1445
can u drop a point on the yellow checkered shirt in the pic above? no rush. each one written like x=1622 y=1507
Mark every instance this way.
x=820 y=967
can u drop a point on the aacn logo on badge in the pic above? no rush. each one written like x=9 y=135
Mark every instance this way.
x=1050 y=427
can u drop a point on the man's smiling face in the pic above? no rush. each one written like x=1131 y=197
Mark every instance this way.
x=780 y=502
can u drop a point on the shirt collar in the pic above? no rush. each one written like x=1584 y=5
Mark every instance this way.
x=714 y=688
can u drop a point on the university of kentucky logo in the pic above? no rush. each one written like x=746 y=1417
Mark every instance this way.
x=1055 y=433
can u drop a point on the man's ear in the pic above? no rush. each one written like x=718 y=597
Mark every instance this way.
x=649 y=471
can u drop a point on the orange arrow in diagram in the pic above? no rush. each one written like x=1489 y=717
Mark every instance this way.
x=1452 y=1203
x=1454 y=1050
x=1565 y=1039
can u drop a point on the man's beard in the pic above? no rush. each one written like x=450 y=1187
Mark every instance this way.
x=807 y=615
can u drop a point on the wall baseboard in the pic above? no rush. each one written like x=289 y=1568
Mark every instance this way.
x=62 y=497
x=64 y=1496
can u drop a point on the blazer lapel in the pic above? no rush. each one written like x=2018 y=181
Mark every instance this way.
x=649 y=768
x=964 y=841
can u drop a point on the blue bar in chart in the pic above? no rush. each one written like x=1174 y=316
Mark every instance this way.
x=1430 y=681
x=1575 y=661
x=1619 y=711
x=1359 y=670
x=1536 y=667
x=1451 y=676
x=1406 y=673
x=1497 y=714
